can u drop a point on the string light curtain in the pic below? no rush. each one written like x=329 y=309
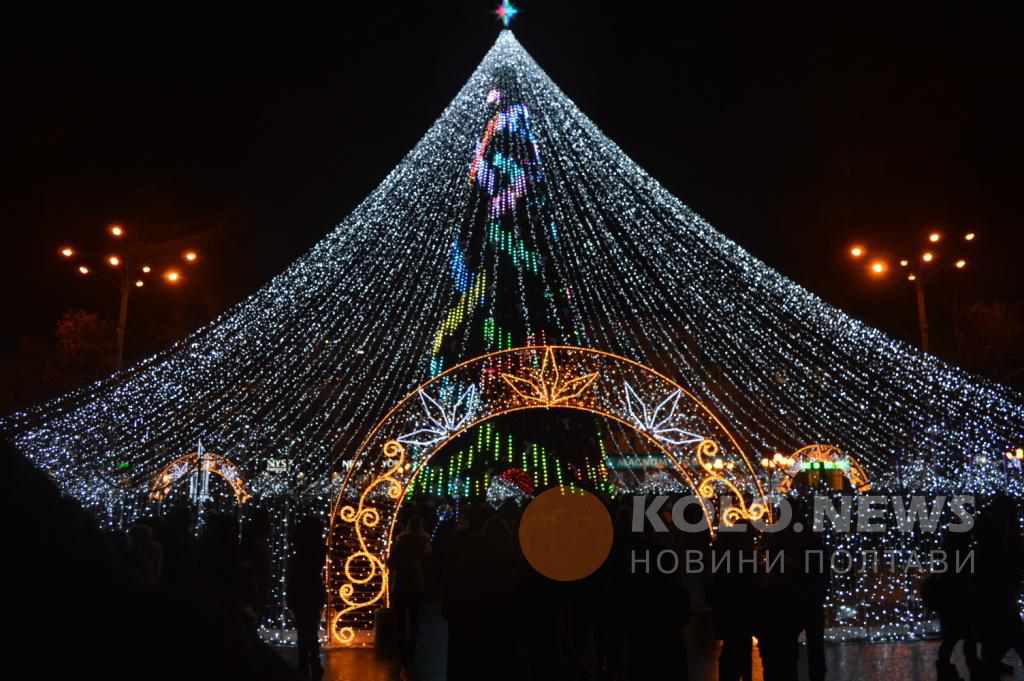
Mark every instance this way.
x=515 y=221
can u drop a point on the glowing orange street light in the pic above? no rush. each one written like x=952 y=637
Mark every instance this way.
x=929 y=258
x=131 y=270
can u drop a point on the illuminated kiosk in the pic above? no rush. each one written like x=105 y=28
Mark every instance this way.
x=701 y=451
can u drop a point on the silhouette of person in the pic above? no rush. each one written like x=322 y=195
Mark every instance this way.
x=781 y=593
x=732 y=590
x=57 y=542
x=463 y=591
x=949 y=595
x=612 y=639
x=499 y=565
x=145 y=557
x=668 y=609
x=306 y=593
x=812 y=581
x=998 y=579
x=408 y=566
x=257 y=562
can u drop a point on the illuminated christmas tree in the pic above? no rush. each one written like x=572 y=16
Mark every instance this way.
x=515 y=221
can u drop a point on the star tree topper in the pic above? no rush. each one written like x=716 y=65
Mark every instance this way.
x=506 y=12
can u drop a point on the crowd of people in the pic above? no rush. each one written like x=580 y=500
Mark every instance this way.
x=464 y=573
x=980 y=606
x=164 y=601
x=158 y=601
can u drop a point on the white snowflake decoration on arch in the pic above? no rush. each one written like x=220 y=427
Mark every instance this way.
x=657 y=421
x=442 y=420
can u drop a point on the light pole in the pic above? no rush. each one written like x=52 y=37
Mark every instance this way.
x=929 y=262
x=131 y=262
x=922 y=310
x=773 y=466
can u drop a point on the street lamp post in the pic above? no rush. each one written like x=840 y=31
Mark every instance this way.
x=777 y=465
x=922 y=311
x=122 y=320
x=132 y=263
x=929 y=260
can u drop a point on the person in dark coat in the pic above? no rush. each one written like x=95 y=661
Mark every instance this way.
x=949 y=594
x=464 y=591
x=812 y=581
x=999 y=556
x=732 y=591
x=783 y=598
x=145 y=557
x=257 y=562
x=409 y=569
x=306 y=593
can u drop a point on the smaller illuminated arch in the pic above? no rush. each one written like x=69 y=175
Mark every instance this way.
x=827 y=455
x=179 y=469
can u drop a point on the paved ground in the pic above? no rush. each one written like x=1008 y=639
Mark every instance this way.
x=846 y=661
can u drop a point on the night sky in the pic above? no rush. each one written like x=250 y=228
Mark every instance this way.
x=795 y=135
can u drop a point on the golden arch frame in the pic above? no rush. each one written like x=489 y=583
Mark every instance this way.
x=171 y=474
x=701 y=449
x=856 y=474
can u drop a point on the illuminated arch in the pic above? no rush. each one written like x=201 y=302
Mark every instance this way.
x=701 y=449
x=164 y=481
x=826 y=454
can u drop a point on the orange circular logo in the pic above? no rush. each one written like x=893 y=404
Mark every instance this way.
x=566 y=534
